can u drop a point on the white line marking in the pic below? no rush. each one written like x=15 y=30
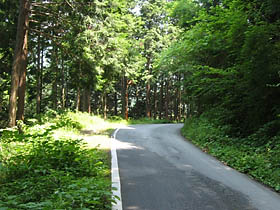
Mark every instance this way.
x=116 y=182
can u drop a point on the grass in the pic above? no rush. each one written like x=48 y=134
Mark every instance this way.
x=59 y=160
x=55 y=164
x=257 y=155
x=148 y=121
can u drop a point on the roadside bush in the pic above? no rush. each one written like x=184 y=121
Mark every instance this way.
x=40 y=171
x=257 y=155
x=148 y=121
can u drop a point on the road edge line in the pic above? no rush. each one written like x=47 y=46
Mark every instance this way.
x=116 y=182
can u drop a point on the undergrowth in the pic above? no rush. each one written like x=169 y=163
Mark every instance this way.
x=257 y=155
x=148 y=121
x=43 y=168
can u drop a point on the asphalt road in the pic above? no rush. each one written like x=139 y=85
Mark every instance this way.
x=160 y=170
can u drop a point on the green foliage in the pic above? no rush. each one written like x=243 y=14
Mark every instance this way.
x=183 y=12
x=229 y=56
x=256 y=155
x=148 y=121
x=40 y=170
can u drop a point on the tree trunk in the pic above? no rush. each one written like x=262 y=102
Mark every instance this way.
x=179 y=100
x=179 y=106
x=66 y=92
x=166 y=100
x=126 y=102
x=124 y=87
x=20 y=58
x=137 y=95
x=54 y=91
x=41 y=73
x=176 y=106
x=148 y=90
x=78 y=99
x=62 y=85
x=161 y=100
x=38 y=75
x=155 y=101
x=176 y=99
x=88 y=93
x=116 y=104
x=55 y=83
x=148 y=99
x=86 y=100
x=1 y=101
x=21 y=91
x=104 y=105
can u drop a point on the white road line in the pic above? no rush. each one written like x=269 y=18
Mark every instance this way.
x=116 y=182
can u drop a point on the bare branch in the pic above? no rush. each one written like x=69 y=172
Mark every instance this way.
x=44 y=34
x=44 y=3
x=69 y=4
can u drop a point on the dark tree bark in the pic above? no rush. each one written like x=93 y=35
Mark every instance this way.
x=161 y=100
x=126 y=101
x=179 y=99
x=167 y=100
x=148 y=90
x=20 y=58
x=83 y=101
x=115 y=103
x=41 y=73
x=124 y=86
x=66 y=93
x=86 y=105
x=125 y=98
x=54 y=90
x=1 y=101
x=21 y=91
x=155 y=102
x=88 y=93
x=148 y=99
x=38 y=75
x=104 y=105
x=55 y=82
x=137 y=94
x=63 y=92
x=180 y=107
x=78 y=99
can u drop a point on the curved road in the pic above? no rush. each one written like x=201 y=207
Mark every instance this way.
x=160 y=170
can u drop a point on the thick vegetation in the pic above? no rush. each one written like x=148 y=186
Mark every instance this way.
x=94 y=56
x=43 y=167
x=257 y=155
x=212 y=62
x=228 y=53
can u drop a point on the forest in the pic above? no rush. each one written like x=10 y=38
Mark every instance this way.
x=160 y=59
x=96 y=57
x=213 y=64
